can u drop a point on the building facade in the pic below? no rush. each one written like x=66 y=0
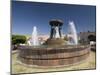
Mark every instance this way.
x=86 y=37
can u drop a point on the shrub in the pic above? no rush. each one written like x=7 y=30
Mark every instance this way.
x=17 y=39
x=66 y=38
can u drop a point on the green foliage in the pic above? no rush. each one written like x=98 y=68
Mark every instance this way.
x=17 y=39
x=92 y=38
x=66 y=38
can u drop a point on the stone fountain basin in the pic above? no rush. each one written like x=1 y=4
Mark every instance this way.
x=53 y=56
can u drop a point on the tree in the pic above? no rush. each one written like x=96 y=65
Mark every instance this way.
x=17 y=39
x=92 y=38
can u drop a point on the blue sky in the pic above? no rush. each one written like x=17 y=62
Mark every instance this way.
x=25 y=15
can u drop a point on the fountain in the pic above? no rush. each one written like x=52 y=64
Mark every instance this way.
x=34 y=39
x=54 y=52
x=72 y=36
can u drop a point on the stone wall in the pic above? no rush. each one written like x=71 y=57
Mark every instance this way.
x=53 y=56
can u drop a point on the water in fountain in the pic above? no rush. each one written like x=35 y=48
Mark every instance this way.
x=34 y=39
x=73 y=40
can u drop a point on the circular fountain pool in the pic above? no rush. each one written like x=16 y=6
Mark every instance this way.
x=53 y=56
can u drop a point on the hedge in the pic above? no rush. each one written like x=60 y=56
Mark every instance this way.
x=17 y=39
